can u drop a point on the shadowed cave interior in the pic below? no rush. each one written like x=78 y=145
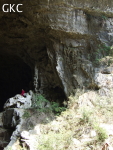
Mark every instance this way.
x=15 y=75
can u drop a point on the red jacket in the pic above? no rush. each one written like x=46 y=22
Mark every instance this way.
x=22 y=93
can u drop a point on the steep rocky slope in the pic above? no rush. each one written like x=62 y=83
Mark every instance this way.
x=85 y=124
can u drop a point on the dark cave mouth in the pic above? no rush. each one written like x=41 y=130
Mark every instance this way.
x=15 y=75
x=55 y=94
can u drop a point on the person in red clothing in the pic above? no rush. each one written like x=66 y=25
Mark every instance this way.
x=22 y=93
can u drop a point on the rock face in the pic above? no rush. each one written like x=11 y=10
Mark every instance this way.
x=54 y=47
x=5 y=134
x=4 y=137
x=60 y=41
x=19 y=101
x=12 y=119
x=22 y=119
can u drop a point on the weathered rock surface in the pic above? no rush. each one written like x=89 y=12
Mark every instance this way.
x=58 y=40
x=108 y=70
x=4 y=137
x=87 y=99
x=104 y=80
x=21 y=118
x=12 y=119
x=19 y=101
x=5 y=134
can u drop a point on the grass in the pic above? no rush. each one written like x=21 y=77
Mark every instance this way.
x=56 y=141
x=79 y=120
x=86 y=116
x=101 y=133
x=107 y=61
x=77 y=123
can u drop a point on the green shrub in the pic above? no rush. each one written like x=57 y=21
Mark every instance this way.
x=40 y=102
x=101 y=133
x=56 y=108
x=86 y=116
x=103 y=49
x=26 y=114
x=104 y=17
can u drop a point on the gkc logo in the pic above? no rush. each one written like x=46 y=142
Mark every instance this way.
x=12 y=8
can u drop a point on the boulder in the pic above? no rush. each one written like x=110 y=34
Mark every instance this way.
x=104 y=91
x=104 y=80
x=19 y=101
x=87 y=99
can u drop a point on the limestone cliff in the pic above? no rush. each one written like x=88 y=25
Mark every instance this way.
x=55 y=47
x=58 y=40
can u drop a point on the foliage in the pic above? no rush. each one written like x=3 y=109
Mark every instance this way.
x=38 y=100
x=101 y=16
x=26 y=114
x=56 y=108
x=102 y=51
x=75 y=124
x=43 y=105
x=101 y=133
x=104 y=17
x=105 y=61
x=85 y=116
x=56 y=141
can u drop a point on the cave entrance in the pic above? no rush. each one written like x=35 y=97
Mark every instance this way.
x=15 y=75
x=56 y=94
